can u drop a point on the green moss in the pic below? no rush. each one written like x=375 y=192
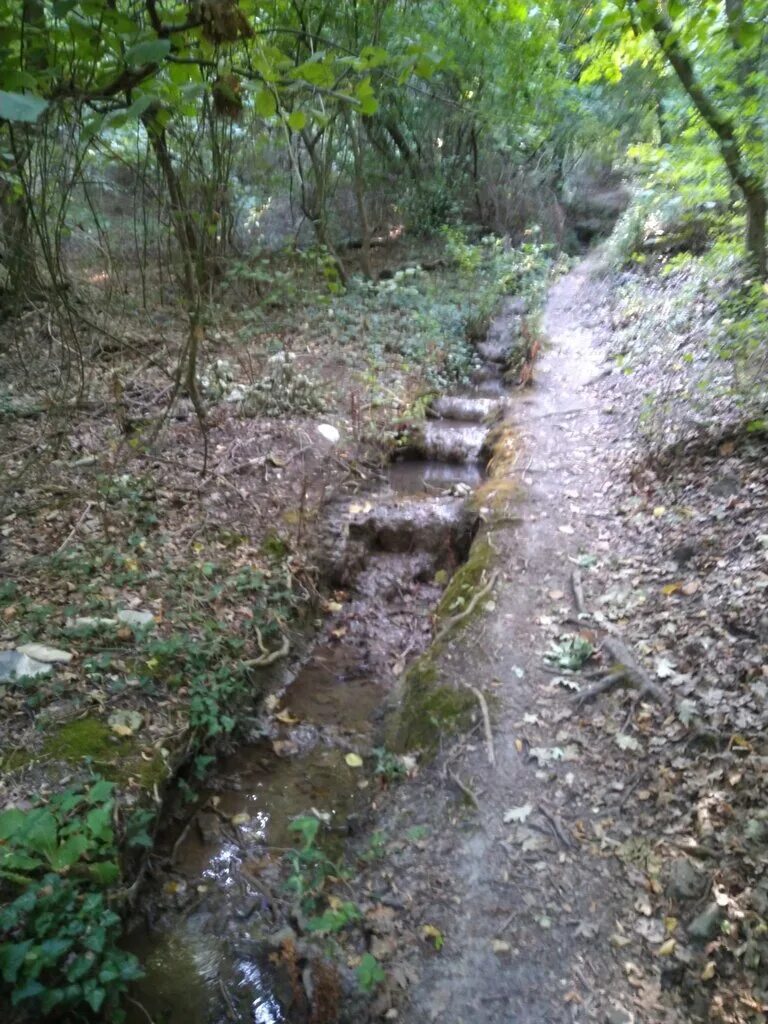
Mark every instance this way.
x=466 y=580
x=85 y=737
x=275 y=546
x=153 y=773
x=16 y=759
x=430 y=709
x=91 y=738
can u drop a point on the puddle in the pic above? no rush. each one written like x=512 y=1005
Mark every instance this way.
x=215 y=910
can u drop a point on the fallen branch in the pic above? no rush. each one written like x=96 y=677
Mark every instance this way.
x=268 y=657
x=486 y=725
x=75 y=528
x=558 y=829
x=460 y=616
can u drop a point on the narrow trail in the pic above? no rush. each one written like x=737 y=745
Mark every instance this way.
x=525 y=908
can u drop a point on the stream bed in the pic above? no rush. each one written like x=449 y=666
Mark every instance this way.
x=215 y=919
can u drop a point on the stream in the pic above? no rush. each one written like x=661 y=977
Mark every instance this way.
x=213 y=920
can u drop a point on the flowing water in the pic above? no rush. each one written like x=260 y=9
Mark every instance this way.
x=214 y=917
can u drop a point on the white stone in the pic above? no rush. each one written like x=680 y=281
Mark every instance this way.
x=135 y=617
x=329 y=432
x=41 y=652
x=14 y=665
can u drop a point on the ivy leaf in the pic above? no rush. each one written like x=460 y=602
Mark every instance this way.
x=297 y=120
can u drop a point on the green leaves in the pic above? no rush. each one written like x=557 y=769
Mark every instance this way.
x=365 y=95
x=58 y=950
x=150 y=51
x=307 y=828
x=21 y=107
x=369 y=973
x=57 y=938
x=297 y=120
x=265 y=103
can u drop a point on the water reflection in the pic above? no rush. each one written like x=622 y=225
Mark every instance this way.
x=264 y=1009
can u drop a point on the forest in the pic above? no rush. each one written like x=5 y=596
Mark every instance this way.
x=384 y=511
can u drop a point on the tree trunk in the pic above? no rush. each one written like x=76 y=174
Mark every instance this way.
x=359 y=184
x=723 y=125
x=756 y=232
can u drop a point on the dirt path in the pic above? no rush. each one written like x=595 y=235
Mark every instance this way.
x=527 y=909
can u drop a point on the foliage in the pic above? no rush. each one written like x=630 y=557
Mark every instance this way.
x=59 y=937
x=572 y=652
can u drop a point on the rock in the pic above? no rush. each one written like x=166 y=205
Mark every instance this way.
x=41 y=652
x=618 y=1015
x=686 y=882
x=90 y=620
x=726 y=486
x=329 y=432
x=706 y=925
x=135 y=617
x=209 y=826
x=499 y=352
x=15 y=665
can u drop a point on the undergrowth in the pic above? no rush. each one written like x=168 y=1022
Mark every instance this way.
x=190 y=673
x=693 y=323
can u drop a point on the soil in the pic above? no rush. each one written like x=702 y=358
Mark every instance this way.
x=526 y=909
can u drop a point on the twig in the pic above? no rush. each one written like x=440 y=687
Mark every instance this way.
x=477 y=597
x=74 y=529
x=464 y=789
x=486 y=725
x=231 y=1008
x=578 y=592
x=556 y=826
x=593 y=380
x=180 y=839
x=142 y=1007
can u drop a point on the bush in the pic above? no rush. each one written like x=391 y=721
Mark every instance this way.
x=58 y=938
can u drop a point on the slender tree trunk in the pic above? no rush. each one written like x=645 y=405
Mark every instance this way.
x=756 y=230
x=749 y=183
x=192 y=273
x=359 y=185
x=318 y=212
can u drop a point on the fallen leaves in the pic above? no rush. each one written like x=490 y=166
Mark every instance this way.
x=519 y=814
